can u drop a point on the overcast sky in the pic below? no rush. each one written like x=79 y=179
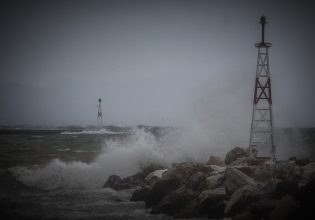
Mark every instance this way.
x=151 y=62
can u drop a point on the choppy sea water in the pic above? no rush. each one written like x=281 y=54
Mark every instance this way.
x=60 y=175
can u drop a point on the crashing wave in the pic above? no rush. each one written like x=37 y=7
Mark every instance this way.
x=121 y=157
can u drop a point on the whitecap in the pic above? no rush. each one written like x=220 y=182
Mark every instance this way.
x=85 y=151
x=100 y=131
x=64 y=149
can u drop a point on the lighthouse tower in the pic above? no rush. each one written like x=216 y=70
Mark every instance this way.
x=99 y=114
x=261 y=135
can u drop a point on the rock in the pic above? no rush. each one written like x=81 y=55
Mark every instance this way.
x=138 y=179
x=161 y=188
x=255 y=172
x=215 y=181
x=286 y=188
x=212 y=202
x=262 y=208
x=259 y=161
x=216 y=170
x=267 y=190
x=297 y=173
x=151 y=168
x=302 y=162
x=213 y=160
x=189 y=174
x=133 y=181
x=189 y=210
x=286 y=208
x=114 y=182
x=189 y=168
x=307 y=192
x=174 y=201
x=197 y=180
x=245 y=216
x=284 y=171
x=240 y=161
x=309 y=171
x=244 y=191
x=248 y=170
x=239 y=199
x=235 y=179
x=157 y=173
x=251 y=161
x=214 y=195
x=182 y=164
x=234 y=154
x=153 y=177
x=140 y=194
x=214 y=210
x=306 y=198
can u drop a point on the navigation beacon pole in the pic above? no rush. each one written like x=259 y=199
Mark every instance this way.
x=99 y=113
x=261 y=135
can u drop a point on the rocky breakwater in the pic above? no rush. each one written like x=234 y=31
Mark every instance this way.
x=237 y=188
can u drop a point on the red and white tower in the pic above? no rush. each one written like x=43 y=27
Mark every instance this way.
x=261 y=136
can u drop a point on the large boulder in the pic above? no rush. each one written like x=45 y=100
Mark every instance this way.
x=115 y=182
x=213 y=195
x=133 y=181
x=235 y=179
x=153 y=177
x=257 y=173
x=212 y=202
x=306 y=198
x=286 y=171
x=308 y=172
x=140 y=194
x=287 y=208
x=286 y=188
x=240 y=161
x=138 y=179
x=262 y=207
x=190 y=174
x=239 y=200
x=216 y=170
x=302 y=162
x=215 y=181
x=173 y=202
x=197 y=181
x=189 y=168
x=213 y=160
x=246 y=215
x=161 y=188
x=234 y=154
x=191 y=209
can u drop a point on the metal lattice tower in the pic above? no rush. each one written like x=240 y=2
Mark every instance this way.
x=261 y=136
x=99 y=113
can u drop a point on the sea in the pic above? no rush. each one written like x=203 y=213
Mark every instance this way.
x=60 y=173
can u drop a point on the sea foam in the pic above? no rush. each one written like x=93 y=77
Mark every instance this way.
x=121 y=157
x=100 y=131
